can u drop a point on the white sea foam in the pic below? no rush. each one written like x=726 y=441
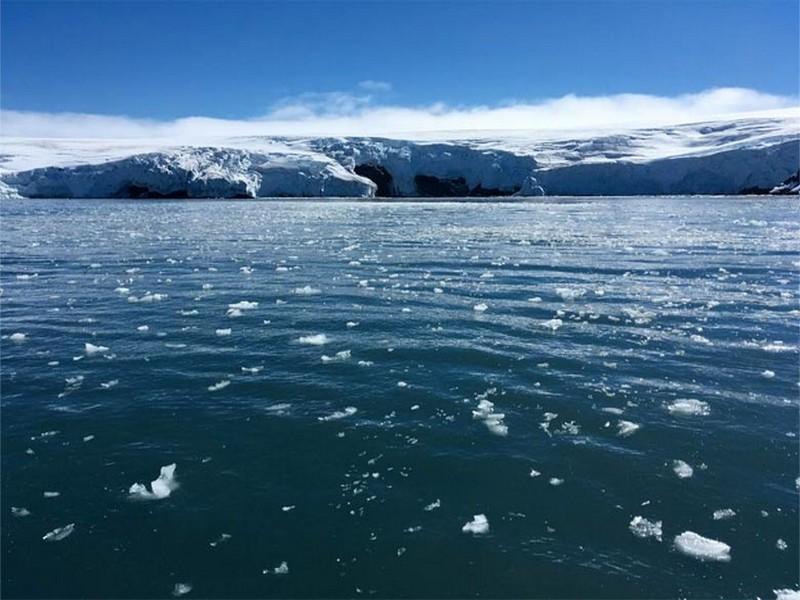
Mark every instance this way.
x=552 y=324
x=682 y=469
x=161 y=487
x=59 y=533
x=702 y=548
x=689 y=406
x=339 y=414
x=252 y=370
x=109 y=384
x=643 y=528
x=319 y=339
x=478 y=526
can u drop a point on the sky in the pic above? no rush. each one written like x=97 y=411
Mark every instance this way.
x=343 y=66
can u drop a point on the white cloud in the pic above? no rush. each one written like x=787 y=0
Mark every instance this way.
x=371 y=85
x=343 y=113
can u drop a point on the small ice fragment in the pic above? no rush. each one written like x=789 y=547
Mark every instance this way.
x=480 y=307
x=534 y=473
x=109 y=384
x=91 y=349
x=287 y=508
x=219 y=385
x=626 y=428
x=338 y=357
x=552 y=324
x=319 y=339
x=222 y=332
x=781 y=545
x=492 y=420
x=402 y=384
x=702 y=548
x=307 y=291
x=252 y=370
x=348 y=411
x=243 y=305
x=181 y=589
x=88 y=438
x=59 y=533
x=767 y=374
x=162 y=487
x=433 y=505
x=643 y=528
x=724 y=513
x=20 y=511
x=556 y=481
x=682 y=469
x=689 y=406
x=281 y=569
x=51 y=494
x=478 y=526
x=352 y=324
x=18 y=337
x=222 y=538
x=143 y=328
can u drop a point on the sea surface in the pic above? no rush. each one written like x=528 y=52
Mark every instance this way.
x=344 y=386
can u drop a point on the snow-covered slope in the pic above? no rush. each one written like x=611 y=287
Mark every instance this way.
x=723 y=157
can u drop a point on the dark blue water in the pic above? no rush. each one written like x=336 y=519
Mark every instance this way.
x=596 y=312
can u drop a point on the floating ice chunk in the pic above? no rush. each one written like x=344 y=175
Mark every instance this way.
x=552 y=324
x=20 y=511
x=252 y=370
x=781 y=545
x=570 y=294
x=339 y=414
x=786 y=594
x=534 y=473
x=351 y=324
x=612 y=410
x=148 y=297
x=109 y=384
x=702 y=548
x=643 y=528
x=338 y=357
x=234 y=312
x=555 y=481
x=433 y=505
x=767 y=374
x=492 y=420
x=480 y=307
x=26 y=276
x=219 y=385
x=18 y=337
x=59 y=533
x=223 y=332
x=88 y=438
x=162 y=487
x=478 y=526
x=91 y=349
x=307 y=291
x=689 y=406
x=51 y=494
x=626 y=428
x=319 y=339
x=682 y=469
x=181 y=589
x=222 y=538
x=402 y=384
x=143 y=328
x=535 y=299
x=243 y=305
x=288 y=508
x=246 y=270
x=281 y=569
x=724 y=513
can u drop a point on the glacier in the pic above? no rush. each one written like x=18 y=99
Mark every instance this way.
x=746 y=155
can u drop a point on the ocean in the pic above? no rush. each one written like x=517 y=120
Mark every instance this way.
x=400 y=399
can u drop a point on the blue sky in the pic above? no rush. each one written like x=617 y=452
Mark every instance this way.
x=237 y=59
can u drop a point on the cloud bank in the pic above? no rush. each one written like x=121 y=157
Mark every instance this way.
x=347 y=113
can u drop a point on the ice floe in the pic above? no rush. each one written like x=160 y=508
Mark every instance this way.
x=161 y=487
x=18 y=337
x=643 y=528
x=319 y=339
x=91 y=349
x=59 y=533
x=478 y=526
x=689 y=406
x=243 y=305
x=492 y=420
x=724 y=513
x=682 y=469
x=626 y=428
x=339 y=414
x=702 y=548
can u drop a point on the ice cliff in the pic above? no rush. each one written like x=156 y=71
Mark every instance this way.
x=754 y=155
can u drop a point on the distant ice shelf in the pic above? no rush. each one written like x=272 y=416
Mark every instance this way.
x=750 y=156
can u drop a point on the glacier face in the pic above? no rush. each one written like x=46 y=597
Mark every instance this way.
x=753 y=155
